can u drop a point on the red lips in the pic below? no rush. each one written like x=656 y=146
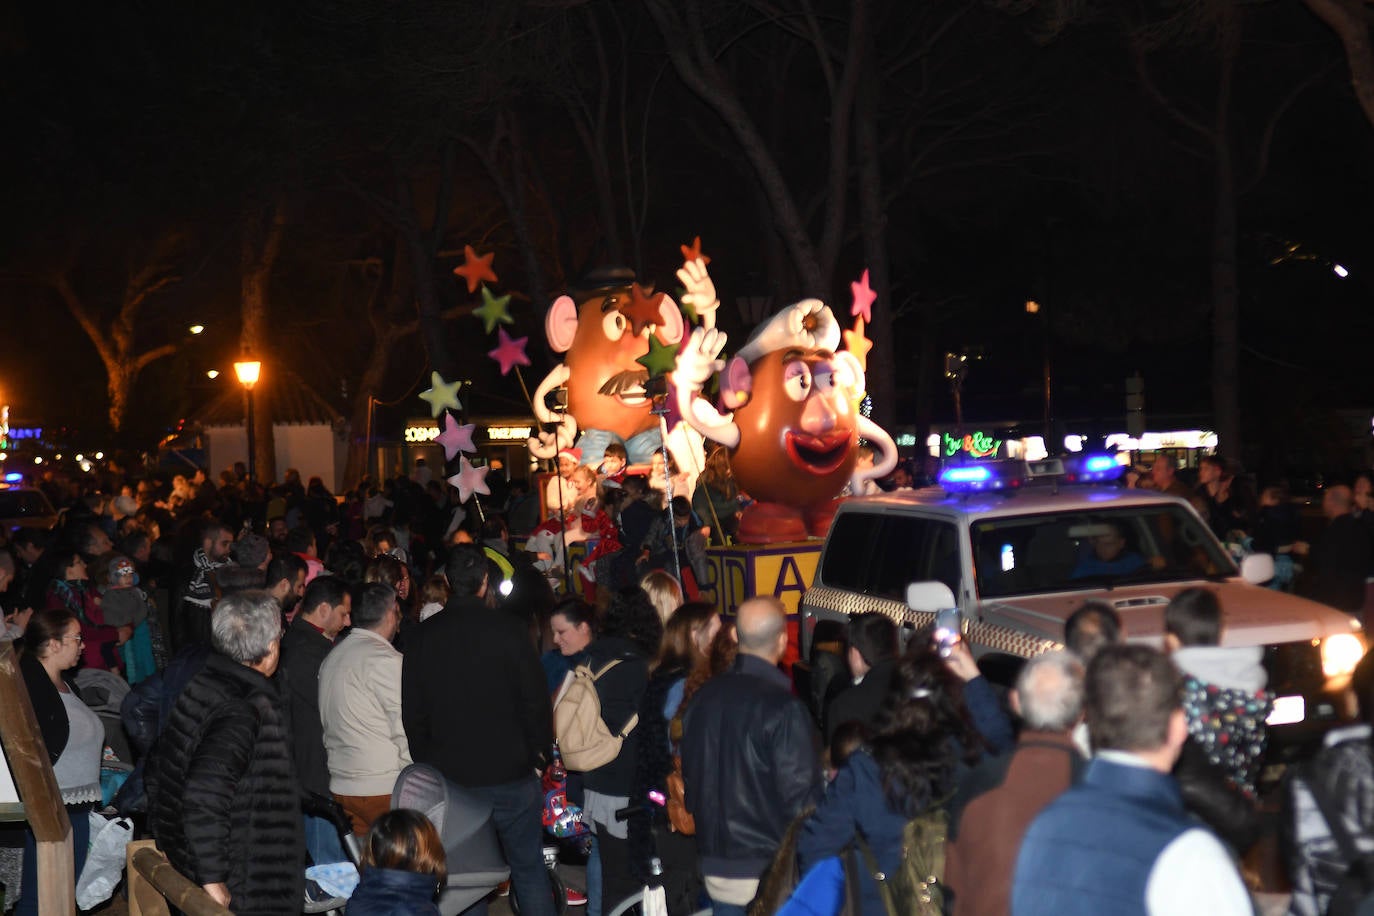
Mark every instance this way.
x=818 y=454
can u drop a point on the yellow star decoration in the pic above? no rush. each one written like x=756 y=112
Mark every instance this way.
x=855 y=342
x=493 y=309
x=441 y=394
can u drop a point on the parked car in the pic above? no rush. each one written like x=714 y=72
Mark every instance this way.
x=24 y=507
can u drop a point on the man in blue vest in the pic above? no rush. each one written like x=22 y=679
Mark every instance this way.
x=1120 y=841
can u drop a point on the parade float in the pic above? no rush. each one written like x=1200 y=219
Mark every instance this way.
x=641 y=370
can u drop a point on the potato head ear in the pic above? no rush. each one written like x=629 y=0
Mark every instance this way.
x=560 y=325
x=736 y=384
x=671 y=326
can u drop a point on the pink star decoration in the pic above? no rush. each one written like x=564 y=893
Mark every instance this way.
x=863 y=298
x=469 y=480
x=456 y=437
x=509 y=352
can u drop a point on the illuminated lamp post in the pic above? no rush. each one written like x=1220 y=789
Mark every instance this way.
x=248 y=371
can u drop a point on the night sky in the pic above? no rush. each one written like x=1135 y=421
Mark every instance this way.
x=1018 y=162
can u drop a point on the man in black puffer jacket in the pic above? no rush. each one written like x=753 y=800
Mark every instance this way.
x=223 y=801
x=750 y=760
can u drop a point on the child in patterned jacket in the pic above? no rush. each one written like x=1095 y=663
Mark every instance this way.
x=1226 y=699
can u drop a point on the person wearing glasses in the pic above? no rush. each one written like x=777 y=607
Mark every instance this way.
x=72 y=733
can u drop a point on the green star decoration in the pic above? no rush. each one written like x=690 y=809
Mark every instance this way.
x=687 y=308
x=660 y=359
x=441 y=394
x=493 y=309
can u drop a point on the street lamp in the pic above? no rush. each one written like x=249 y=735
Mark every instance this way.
x=248 y=370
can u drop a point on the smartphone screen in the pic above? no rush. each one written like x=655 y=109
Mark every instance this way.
x=948 y=629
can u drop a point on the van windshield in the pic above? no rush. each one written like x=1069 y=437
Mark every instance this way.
x=1094 y=548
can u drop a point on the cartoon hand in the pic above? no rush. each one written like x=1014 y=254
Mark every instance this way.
x=698 y=359
x=700 y=290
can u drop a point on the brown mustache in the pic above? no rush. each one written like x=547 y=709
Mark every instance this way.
x=621 y=382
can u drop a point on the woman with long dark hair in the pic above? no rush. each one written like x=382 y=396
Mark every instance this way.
x=924 y=738
x=392 y=571
x=684 y=649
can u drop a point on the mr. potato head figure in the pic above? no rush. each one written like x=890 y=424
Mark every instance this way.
x=603 y=329
x=792 y=423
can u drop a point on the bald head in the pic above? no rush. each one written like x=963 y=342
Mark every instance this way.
x=761 y=626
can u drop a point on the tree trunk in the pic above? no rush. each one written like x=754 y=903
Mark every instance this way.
x=513 y=191
x=698 y=69
x=927 y=372
x=1349 y=19
x=397 y=279
x=1225 y=295
x=420 y=248
x=882 y=380
x=262 y=232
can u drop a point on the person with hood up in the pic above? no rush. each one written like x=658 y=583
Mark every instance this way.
x=1226 y=699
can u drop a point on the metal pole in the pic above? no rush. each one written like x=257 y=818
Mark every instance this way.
x=1049 y=408
x=252 y=441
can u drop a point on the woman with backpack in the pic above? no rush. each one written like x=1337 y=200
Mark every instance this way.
x=910 y=768
x=617 y=668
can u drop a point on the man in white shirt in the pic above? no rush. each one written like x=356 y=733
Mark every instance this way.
x=360 y=709
x=1120 y=841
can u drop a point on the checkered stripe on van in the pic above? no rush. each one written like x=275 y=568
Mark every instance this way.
x=1005 y=639
x=982 y=635
x=851 y=604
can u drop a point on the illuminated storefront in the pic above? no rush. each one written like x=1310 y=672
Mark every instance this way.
x=500 y=442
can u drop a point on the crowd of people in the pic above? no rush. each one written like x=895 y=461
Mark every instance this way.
x=277 y=661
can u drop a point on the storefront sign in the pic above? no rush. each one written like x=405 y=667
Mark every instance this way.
x=975 y=444
x=421 y=433
x=1179 y=438
x=506 y=433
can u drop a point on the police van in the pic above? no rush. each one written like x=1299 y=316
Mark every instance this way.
x=1019 y=546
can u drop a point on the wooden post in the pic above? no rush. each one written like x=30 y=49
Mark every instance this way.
x=33 y=776
x=153 y=882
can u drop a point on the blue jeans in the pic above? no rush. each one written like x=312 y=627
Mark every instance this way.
x=80 y=816
x=515 y=810
x=322 y=841
x=594 y=879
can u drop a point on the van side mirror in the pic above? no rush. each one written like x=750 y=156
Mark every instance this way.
x=931 y=596
x=1257 y=569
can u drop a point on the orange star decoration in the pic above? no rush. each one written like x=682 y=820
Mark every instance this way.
x=855 y=342
x=643 y=308
x=476 y=268
x=692 y=252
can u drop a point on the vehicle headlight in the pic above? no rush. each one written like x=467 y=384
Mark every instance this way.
x=1341 y=653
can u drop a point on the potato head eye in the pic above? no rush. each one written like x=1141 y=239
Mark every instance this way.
x=615 y=325
x=825 y=377
x=796 y=380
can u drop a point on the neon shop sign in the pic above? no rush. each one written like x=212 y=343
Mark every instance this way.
x=975 y=444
